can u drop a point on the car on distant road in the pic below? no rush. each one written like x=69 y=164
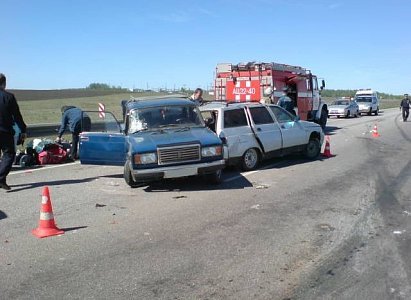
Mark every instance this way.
x=161 y=138
x=255 y=131
x=343 y=107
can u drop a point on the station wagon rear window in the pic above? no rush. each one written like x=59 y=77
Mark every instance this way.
x=363 y=99
x=235 y=118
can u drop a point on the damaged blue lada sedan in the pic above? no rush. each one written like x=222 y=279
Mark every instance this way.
x=161 y=138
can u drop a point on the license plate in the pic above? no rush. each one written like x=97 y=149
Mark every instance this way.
x=181 y=172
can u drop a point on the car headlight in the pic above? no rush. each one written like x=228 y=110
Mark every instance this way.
x=211 y=151
x=145 y=158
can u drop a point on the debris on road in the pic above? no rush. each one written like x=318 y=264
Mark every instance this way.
x=179 y=197
x=260 y=186
x=100 y=205
x=398 y=232
x=256 y=206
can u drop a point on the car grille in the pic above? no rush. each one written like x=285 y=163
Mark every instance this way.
x=178 y=154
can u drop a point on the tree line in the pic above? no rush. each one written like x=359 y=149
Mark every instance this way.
x=351 y=93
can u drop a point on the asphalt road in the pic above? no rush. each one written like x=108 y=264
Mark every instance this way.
x=336 y=228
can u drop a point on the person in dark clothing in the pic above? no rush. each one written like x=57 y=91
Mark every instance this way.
x=405 y=106
x=197 y=97
x=9 y=115
x=76 y=121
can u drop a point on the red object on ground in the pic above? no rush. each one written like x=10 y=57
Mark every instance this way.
x=375 y=131
x=327 y=148
x=47 y=227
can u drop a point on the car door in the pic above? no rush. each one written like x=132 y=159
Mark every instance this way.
x=102 y=141
x=293 y=132
x=237 y=131
x=265 y=128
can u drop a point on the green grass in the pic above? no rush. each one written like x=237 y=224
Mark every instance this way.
x=48 y=111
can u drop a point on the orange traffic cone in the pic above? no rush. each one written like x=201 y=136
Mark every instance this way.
x=327 y=149
x=375 y=131
x=47 y=227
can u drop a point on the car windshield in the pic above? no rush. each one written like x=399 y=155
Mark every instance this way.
x=340 y=102
x=160 y=117
x=363 y=99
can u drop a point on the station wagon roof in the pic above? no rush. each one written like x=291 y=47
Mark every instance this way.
x=220 y=104
x=138 y=104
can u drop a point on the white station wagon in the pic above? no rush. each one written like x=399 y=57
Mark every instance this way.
x=254 y=131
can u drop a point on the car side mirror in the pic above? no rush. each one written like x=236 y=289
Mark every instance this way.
x=322 y=84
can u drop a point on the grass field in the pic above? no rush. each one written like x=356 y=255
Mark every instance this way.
x=48 y=111
x=39 y=111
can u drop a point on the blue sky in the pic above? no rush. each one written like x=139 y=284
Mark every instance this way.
x=48 y=44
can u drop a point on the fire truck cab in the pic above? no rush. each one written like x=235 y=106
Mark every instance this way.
x=266 y=82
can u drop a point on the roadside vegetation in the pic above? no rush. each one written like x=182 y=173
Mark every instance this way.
x=43 y=106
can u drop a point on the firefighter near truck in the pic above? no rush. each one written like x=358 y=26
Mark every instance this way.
x=259 y=82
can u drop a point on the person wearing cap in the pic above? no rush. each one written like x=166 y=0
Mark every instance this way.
x=405 y=107
x=285 y=102
x=9 y=115
x=76 y=121
x=197 y=97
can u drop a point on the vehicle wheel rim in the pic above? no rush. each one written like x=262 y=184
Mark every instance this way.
x=250 y=158
x=312 y=149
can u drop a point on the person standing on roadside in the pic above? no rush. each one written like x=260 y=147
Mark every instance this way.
x=76 y=121
x=405 y=107
x=9 y=115
x=197 y=97
x=285 y=102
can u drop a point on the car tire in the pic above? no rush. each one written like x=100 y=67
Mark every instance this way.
x=348 y=114
x=250 y=159
x=323 y=118
x=377 y=111
x=312 y=149
x=215 y=178
x=127 y=176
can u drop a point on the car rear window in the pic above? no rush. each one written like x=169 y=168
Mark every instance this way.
x=235 y=118
x=261 y=115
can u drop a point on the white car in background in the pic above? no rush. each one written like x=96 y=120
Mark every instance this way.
x=254 y=131
x=343 y=107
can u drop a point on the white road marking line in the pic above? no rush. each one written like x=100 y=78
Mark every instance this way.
x=40 y=169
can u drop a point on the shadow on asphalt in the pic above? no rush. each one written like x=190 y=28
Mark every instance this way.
x=33 y=185
x=197 y=183
x=73 y=228
x=331 y=130
x=2 y=215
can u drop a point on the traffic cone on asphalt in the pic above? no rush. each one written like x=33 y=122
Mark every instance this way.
x=327 y=149
x=47 y=227
x=375 y=131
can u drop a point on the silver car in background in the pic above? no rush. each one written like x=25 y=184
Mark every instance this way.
x=343 y=108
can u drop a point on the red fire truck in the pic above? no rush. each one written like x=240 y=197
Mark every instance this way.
x=252 y=81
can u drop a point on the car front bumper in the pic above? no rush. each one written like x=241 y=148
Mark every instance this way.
x=364 y=109
x=336 y=113
x=177 y=171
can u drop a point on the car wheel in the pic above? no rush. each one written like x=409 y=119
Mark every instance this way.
x=323 y=118
x=250 y=160
x=312 y=149
x=348 y=114
x=127 y=176
x=215 y=178
x=377 y=111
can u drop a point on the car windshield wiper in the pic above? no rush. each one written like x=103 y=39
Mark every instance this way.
x=183 y=129
x=169 y=125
